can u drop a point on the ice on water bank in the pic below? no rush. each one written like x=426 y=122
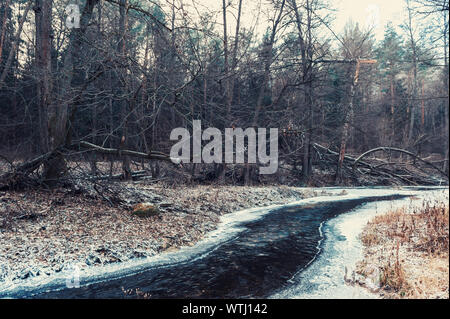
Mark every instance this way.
x=230 y=227
x=341 y=250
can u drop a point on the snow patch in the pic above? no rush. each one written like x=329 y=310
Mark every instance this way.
x=229 y=228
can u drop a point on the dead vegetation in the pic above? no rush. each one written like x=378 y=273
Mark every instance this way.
x=407 y=251
x=44 y=230
x=383 y=170
x=391 y=166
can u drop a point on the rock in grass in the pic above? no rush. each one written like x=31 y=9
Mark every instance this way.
x=145 y=210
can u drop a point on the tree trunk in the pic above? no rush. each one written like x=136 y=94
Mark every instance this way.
x=123 y=26
x=346 y=128
x=59 y=121
x=15 y=44
x=344 y=138
x=414 y=84
x=48 y=120
x=446 y=84
x=305 y=42
x=5 y=7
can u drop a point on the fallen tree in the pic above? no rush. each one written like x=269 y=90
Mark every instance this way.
x=390 y=149
x=358 y=170
x=19 y=175
x=379 y=168
x=121 y=152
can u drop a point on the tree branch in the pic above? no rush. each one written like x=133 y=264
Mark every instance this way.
x=387 y=149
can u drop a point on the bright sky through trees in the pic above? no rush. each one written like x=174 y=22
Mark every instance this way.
x=367 y=13
x=376 y=13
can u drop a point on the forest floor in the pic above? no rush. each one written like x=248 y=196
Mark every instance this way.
x=407 y=251
x=45 y=231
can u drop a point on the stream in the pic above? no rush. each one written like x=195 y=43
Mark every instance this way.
x=290 y=251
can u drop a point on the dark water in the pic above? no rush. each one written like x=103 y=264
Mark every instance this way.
x=255 y=264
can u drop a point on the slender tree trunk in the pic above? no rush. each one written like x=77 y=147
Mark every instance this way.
x=227 y=80
x=5 y=7
x=414 y=84
x=422 y=110
x=123 y=27
x=15 y=44
x=307 y=159
x=43 y=20
x=347 y=125
x=446 y=86
x=305 y=42
x=94 y=131
x=392 y=112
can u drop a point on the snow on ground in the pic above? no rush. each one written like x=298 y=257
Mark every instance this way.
x=228 y=228
x=328 y=277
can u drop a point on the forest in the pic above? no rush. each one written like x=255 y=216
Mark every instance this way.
x=91 y=90
x=224 y=149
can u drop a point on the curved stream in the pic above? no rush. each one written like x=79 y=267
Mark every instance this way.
x=265 y=257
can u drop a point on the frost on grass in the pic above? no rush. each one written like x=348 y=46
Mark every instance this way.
x=42 y=232
x=407 y=250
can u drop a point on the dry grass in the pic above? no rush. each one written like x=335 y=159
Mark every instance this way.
x=408 y=250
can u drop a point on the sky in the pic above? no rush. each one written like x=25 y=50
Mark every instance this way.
x=376 y=13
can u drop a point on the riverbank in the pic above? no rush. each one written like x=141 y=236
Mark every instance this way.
x=277 y=240
x=406 y=251
x=44 y=232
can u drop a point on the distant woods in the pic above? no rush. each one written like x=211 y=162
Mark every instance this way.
x=135 y=70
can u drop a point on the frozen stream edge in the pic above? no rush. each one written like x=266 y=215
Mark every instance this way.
x=348 y=225
x=341 y=250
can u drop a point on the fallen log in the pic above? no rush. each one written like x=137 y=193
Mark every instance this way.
x=114 y=151
x=20 y=173
x=387 y=149
x=375 y=169
x=346 y=157
x=137 y=174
